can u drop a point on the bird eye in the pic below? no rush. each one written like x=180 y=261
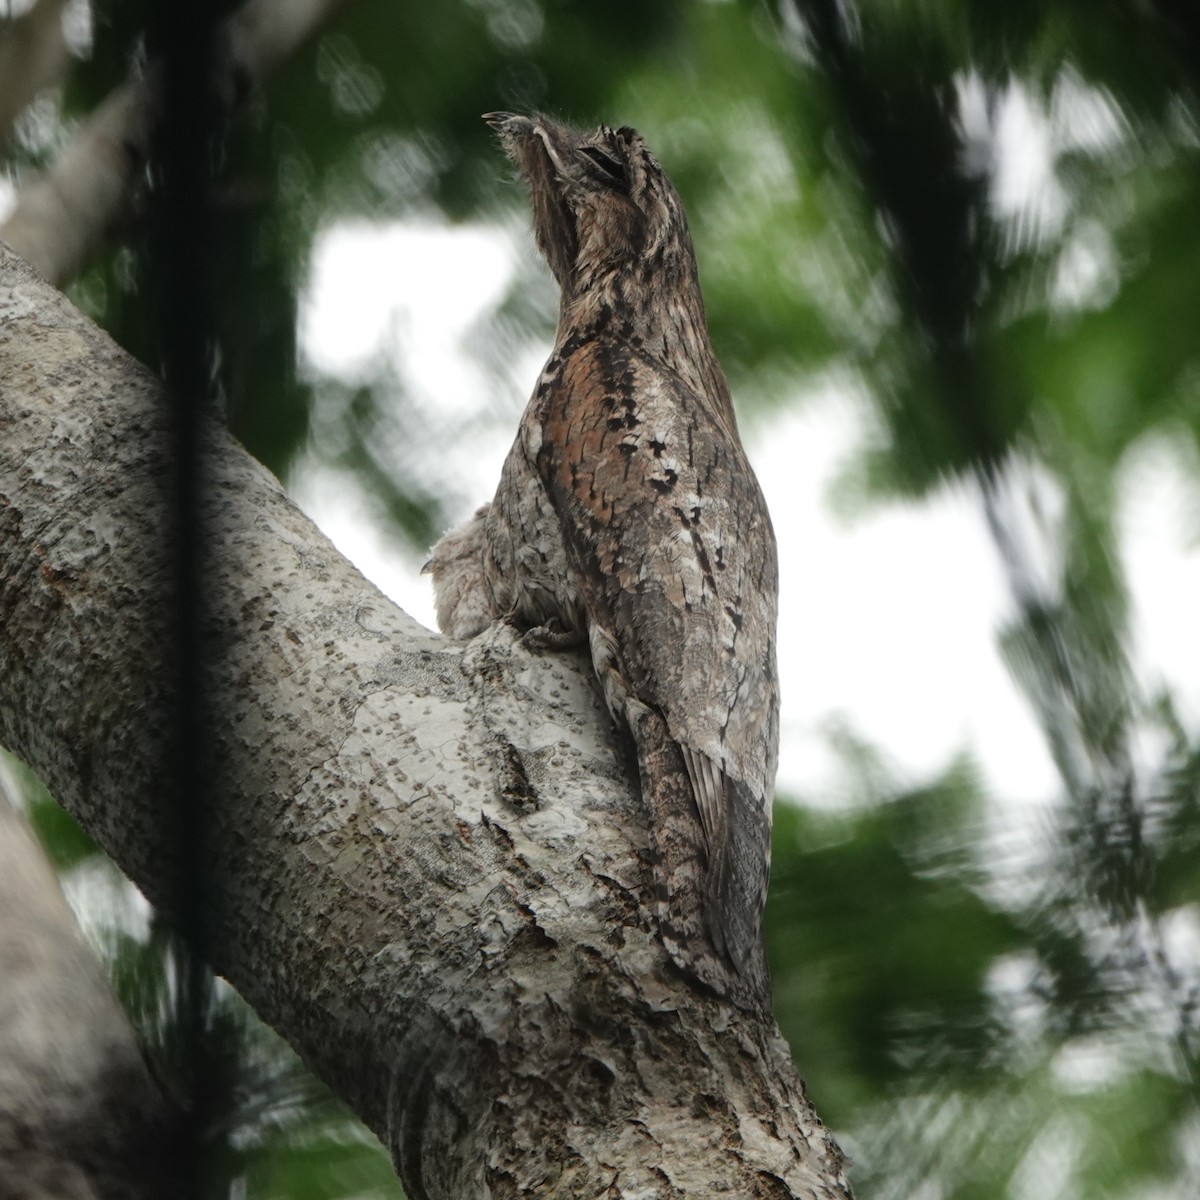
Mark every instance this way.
x=613 y=170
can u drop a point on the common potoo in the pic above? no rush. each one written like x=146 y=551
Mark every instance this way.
x=627 y=514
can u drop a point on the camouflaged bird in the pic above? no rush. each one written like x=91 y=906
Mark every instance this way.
x=627 y=514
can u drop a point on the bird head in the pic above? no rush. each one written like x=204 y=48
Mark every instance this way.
x=603 y=207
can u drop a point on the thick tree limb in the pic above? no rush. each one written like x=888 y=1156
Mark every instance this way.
x=80 y=1117
x=65 y=214
x=33 y=55
x=428 y=860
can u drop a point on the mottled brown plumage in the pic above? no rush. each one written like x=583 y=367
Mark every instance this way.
x=628 y=514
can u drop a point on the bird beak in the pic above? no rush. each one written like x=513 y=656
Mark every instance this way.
x=501 y=122
x=517 y=130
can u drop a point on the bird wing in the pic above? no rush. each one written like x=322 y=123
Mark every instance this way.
x=665 y=522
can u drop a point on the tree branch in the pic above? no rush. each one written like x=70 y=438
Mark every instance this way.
x=80 y=1116
x=428 y=859
x=64 y=215
x=33 y=55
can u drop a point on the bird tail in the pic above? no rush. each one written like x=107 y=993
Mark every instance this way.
x=708 y=922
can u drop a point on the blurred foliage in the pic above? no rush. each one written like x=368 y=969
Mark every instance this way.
x=981 y=217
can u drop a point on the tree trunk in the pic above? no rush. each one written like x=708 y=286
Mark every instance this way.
x=428 y=860
x=80 y=1117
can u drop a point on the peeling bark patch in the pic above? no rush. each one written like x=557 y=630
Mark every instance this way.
x=620 y=905
x=771 y=1187
x=706 y=1104
x=501 y=834
x=533 y=936
x=515 y=788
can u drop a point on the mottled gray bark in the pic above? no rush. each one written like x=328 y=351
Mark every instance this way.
x=429 y=859
x=80 y=1117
